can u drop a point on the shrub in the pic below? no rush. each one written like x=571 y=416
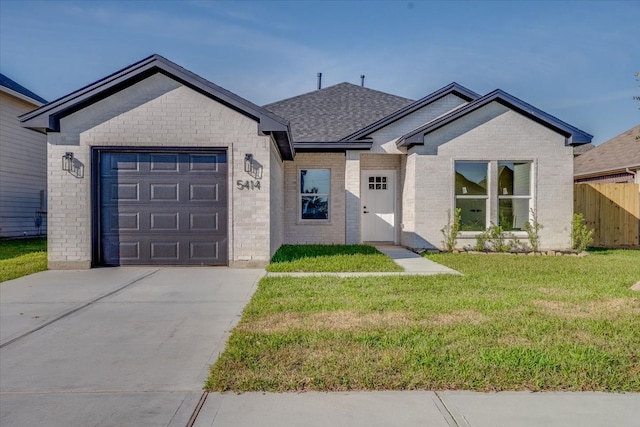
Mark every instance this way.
x=581 y=236
x=451 y=230
x=533 y=228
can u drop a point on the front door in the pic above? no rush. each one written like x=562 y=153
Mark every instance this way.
x=378 y=217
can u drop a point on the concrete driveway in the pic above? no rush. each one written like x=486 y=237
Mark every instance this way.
x=116 y=346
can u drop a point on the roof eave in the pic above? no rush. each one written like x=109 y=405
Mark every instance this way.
x=339 y=146
x=573 y=135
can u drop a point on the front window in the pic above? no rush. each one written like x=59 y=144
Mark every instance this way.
x=514 y=195
x=315 y=185
x=472 y=195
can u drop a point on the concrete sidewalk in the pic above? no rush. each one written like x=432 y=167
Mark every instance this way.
x=420 y=408
x=412 y=263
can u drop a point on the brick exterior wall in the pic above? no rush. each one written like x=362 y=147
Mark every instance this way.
x=492 y=133
x=157 y=112
x=315 y=231
x=276 y=169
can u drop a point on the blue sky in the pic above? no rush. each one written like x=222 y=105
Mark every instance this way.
x=575 y=60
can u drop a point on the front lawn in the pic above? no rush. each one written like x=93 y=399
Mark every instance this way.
x=22 y=257
x=331 y=258
x=509 y=323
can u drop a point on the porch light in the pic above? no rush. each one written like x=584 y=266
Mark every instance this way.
x=67 y=161
x=248 y=163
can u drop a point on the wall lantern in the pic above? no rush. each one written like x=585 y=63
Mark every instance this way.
x=248 y=162
x=67 y=161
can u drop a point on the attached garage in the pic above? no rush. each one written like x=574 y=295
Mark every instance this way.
x=162 y=167
x=162 y=207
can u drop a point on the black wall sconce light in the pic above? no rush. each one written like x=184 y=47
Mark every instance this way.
x=67 y=161
x=248 y=163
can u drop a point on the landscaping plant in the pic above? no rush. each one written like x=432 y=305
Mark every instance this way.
x=451 y=230
x=533 y=227
x=581 y=236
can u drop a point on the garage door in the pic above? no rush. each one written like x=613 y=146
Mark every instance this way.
x=164 y=208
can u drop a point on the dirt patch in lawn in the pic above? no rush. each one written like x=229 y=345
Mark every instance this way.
x=607 y=308
x=345 y=320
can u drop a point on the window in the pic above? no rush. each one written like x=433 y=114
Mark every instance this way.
x=377 y=183
x=471 y=195
x=514 y=194
x=315 y=185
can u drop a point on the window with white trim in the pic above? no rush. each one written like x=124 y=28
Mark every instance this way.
x=514 y=194
x=315 y=186
x=471 y=194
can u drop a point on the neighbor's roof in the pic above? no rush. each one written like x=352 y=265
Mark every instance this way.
x=47 y=117
x=18 y=88
x=332 y=113
x=611 y=156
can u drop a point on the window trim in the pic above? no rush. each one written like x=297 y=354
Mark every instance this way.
x=301 y=195
x=485 y=197
x=493 y=197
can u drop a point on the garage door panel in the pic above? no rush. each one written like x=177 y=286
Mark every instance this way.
x=163 y=208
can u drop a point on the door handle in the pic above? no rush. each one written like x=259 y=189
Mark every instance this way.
x=366 y=211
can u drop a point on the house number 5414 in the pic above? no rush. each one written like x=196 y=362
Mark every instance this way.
x=248 y=185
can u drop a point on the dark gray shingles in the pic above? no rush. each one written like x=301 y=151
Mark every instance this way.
x=334 y=112
x=615 y=154
x=16 y=87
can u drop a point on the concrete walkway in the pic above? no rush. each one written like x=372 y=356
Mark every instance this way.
x=420 y=409
x=412 y=263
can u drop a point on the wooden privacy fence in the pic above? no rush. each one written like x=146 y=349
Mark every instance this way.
x=612 y=211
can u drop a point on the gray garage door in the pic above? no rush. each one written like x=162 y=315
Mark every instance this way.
x=163 y=208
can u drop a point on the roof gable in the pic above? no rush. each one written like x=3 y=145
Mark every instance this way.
x=47 y=117
x=573 y=135
x=330 y=114
x=616 y=154
x=17 y=88
x=451 y=89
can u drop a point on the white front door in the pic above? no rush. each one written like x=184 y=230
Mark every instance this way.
x=378 y=219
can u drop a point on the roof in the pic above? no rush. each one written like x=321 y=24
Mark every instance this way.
x=573 y=135
x=452 y=88
x=579 y=150
x=614 y=155
x=332 y=113
x=47 y=117
x=19 y=89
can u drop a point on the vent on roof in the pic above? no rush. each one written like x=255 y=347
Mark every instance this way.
x=319 y=81
x=362 y=80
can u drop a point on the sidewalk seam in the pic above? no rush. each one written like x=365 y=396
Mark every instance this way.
x=458 y=419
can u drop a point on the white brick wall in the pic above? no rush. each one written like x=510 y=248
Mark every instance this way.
x=495 y=133
x=276 y=201
x=157 y=112
x=315 y=231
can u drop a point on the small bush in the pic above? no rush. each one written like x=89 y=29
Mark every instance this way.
x=581 y=236
x=533 y=228
x=451 y=230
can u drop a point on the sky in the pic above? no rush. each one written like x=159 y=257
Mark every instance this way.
x=575 y=60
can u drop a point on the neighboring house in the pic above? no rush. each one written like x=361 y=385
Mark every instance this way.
x=615 y=161
x=579 y=150
x=23 y=165
x=164 y=167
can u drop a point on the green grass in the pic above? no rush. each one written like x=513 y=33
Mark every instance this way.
x=22 y=257
x=510 y=323
x=330 y=258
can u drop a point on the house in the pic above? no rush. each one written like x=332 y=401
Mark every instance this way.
x=614 y=161
x=23 y=165
x=156 y=165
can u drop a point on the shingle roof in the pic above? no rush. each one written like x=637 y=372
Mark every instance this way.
x=579 y=150
x=616 y=154
x=334 y=112
x=16 y=87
